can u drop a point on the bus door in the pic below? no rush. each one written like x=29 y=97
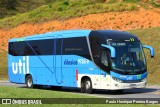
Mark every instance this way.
x=58 y=45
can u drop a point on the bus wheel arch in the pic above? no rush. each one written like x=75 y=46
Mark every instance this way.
x=29 y=81
x=86 y=85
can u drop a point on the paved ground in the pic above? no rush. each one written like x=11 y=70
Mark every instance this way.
x=152 y=91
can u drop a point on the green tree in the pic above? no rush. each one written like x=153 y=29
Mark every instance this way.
x=11 y=4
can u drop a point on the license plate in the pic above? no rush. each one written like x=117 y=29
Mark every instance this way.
x=132 y=85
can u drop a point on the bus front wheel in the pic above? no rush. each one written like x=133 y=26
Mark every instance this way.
x=88 y=86
x=29 y=81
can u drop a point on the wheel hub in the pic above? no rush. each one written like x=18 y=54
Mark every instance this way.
x=87 y=85
x=29 y=82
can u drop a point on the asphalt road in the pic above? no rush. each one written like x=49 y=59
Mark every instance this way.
x=152 y=91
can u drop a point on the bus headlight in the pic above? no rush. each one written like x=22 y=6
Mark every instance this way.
x=143 y=80
x=116 y=79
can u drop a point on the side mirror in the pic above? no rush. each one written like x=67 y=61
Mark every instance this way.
x=112 y=49
x=151 y=50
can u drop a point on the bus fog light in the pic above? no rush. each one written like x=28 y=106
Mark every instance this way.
x=116 y=85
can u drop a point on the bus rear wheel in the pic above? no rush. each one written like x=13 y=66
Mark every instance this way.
x=88 y=86
x=29 y=81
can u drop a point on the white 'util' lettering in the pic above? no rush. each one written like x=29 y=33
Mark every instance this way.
x=21 y=66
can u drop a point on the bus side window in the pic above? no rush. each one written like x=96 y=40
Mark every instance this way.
x=11 y=48
x=95 y=47
x=104 y=59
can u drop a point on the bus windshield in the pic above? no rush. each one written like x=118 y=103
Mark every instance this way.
x=129 y=57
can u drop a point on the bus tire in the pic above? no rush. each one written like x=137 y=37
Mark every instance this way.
x=88 y=85
x=29 y=82
x=82 y=87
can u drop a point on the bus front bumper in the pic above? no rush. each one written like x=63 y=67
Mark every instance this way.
x=119 y=85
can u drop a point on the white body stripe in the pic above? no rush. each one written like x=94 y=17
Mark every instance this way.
x=101 y=82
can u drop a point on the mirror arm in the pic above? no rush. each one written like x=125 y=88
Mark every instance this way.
x=151 y=50
x=112 y=49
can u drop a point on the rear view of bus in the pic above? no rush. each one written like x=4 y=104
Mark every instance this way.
x=85 y=59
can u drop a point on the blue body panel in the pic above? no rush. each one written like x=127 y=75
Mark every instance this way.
x=62 y=73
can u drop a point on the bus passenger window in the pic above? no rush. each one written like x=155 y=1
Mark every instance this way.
x=104 y=59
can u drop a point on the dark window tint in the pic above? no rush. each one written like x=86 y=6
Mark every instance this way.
x=42 y=47
x=95 y=47
x=17 y=48
x=76 y=46
x=59 y=46
x=100 y=54
x=104 y=58
x=36 y=47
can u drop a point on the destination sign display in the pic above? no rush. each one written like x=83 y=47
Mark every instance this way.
x=118 y=44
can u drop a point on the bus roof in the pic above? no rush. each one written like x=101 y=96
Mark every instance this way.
x=107 y=34
x=114 y=35
x=49 y=35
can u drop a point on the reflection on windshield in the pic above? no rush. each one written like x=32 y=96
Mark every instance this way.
x=129 y=56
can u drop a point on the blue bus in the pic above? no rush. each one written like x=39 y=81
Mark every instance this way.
x=85 y=59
